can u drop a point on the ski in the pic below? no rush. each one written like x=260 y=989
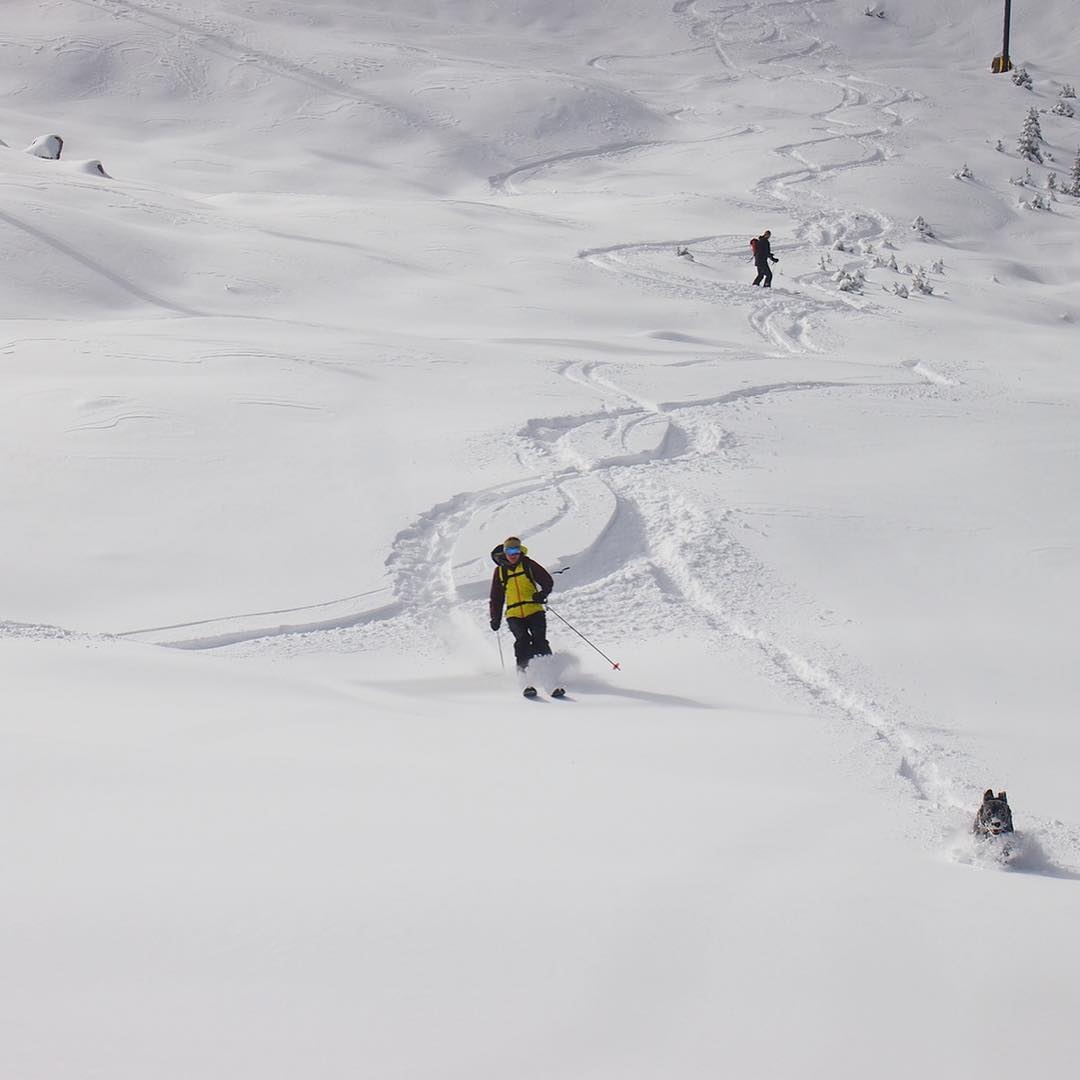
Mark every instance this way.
x=559 y=692
x=529 y=691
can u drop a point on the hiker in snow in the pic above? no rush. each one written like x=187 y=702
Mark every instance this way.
x=762 y=255
x=523 y=585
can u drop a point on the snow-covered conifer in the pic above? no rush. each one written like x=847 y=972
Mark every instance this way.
x=1067 y=91
x=1021 y=77
x=1073 y=187
x=900 y=289
x=963 y=173
x=920 y=282
x=849 y=280
x=893 y=265
x=1027 y=146
x=1063 y=107
x=922 y=227
x=1051 y=181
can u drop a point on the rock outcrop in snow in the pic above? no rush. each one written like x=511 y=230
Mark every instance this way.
x=47 y=146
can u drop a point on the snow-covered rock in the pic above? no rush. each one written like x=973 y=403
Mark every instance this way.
x=47 y=146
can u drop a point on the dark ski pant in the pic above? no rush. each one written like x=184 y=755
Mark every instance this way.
x=764 y=274
x=530 y=638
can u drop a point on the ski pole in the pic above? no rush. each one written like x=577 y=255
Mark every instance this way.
x=585 y=639
x=502 y=659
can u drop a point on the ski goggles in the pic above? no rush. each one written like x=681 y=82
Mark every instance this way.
x=512 y=551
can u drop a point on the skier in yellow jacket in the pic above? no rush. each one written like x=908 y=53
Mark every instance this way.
x=522 y=585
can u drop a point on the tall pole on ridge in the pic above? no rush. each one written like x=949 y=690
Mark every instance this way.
x=1003 y=63
x=1005 y=36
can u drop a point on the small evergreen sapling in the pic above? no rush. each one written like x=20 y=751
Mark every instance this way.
x=1067 y=91
x=1021 y=77
x=1027 y=146
x=1073 y=186
x=922 y=227
x=1063 y=107
x=963 y=173
x=849 y=280
x=921 y=283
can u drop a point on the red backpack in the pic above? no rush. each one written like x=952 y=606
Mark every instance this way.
x=753 y=246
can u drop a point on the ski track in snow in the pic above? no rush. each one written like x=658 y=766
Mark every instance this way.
x=629 y=456
x=504 y=183
x=656 y=531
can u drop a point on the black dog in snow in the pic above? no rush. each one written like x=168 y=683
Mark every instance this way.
x=994 y=816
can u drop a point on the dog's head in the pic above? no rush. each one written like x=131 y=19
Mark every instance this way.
x=994 y=816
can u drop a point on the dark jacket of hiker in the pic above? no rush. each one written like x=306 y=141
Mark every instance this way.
x=763 y=253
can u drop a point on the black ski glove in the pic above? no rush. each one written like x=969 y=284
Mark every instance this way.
x=540 y=597
x=496 y=623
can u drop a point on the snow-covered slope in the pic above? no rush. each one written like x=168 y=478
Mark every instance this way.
x=359 y=289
